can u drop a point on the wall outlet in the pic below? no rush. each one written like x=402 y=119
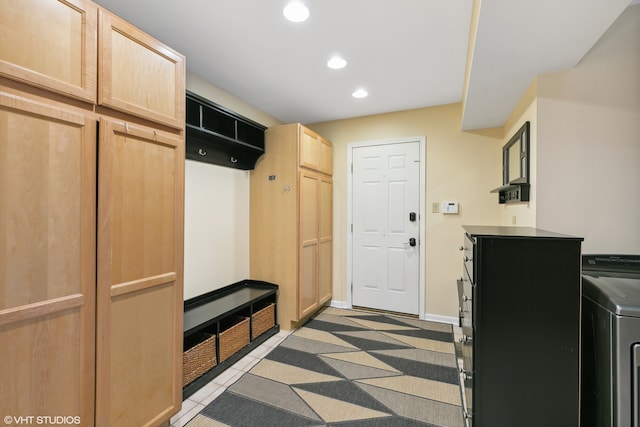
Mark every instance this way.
x=513 y=219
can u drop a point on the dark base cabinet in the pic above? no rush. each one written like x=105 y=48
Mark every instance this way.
x=520 y=314
x=222 y=326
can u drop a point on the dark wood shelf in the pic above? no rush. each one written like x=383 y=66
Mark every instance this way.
x=220 y=136
x=513 y=192
x=209 y=311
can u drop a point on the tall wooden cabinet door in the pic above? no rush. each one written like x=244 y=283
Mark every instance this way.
x=138 y=74
x=325 y=240
x=50 y=44
x=308 y=268
x=140 y=273
x=47 y=260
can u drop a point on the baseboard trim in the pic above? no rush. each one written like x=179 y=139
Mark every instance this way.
x=339 y=304
x=431 y=317
x=442 y=319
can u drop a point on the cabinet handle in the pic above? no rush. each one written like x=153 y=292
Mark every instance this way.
x=465 y=339
x=467 y=415
x=234 y=160
x=202 y=152
x=461 y=248
x=466 y=376
x=466 y=258
x=466 y=298
x=462 y=310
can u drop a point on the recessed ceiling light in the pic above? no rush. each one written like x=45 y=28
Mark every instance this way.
x=360 y=93
x=336 y=63
x=296 y=12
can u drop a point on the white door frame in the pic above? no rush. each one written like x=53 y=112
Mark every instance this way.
x=421 y=215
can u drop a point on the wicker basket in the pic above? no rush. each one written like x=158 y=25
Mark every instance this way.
x=198 y=359
x=234 y=338
x=263 y=320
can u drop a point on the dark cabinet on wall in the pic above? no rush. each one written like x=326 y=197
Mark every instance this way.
x=520 y=314
x=219 y=136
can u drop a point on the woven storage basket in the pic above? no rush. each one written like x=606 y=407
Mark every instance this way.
x=198 y=359
x=234 y=338
x=263 y=320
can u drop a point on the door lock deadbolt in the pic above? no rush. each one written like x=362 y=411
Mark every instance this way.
x=412 y=216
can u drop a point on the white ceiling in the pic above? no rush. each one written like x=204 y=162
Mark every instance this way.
x=405 y=53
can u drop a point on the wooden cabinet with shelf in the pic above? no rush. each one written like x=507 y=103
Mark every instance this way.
x=291 y=220
x=91 y=215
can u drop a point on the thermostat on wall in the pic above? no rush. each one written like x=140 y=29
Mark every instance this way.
x=449 y=207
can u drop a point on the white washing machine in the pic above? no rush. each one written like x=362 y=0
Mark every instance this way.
x=610 y=341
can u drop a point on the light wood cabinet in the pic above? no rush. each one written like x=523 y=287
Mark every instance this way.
x=291 y=220
x=138 y=74
x=51 y=45
x=91 y=218
x=47 y=259
x=139 y=296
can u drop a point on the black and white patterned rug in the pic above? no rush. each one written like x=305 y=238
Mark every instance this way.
x=348 y=368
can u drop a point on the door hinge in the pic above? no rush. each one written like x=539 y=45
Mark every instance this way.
x=351 y=168
x=352 y=228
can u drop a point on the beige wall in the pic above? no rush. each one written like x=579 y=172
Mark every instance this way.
x=459 y=166
x=217 y=209
x=585 y=170
x=589 y=143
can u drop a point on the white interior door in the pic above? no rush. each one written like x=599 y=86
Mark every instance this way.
x=386 y=227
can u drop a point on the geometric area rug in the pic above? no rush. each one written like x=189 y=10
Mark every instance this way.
x=348 y=368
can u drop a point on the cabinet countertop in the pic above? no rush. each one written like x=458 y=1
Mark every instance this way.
x=501 y=231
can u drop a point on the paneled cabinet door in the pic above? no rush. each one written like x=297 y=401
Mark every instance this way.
x=47 y=260
x=308 y=274
x=138 y=74
x=325 y=238
x=50 y=44
x=315 y=152
x=308 y=149
x=140 y=270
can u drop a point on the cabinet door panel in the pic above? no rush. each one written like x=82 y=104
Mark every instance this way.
x=50 y=44
x=325 y=153
x=308 y=280
x=325 y=251
x=47 y=260
x=138 y=74
x=140 y=252
x=309 y=149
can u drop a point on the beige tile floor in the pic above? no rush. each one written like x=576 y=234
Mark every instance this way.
x=197 y=401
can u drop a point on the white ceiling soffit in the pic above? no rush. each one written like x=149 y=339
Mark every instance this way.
x=517 y=40
x=405 y=53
